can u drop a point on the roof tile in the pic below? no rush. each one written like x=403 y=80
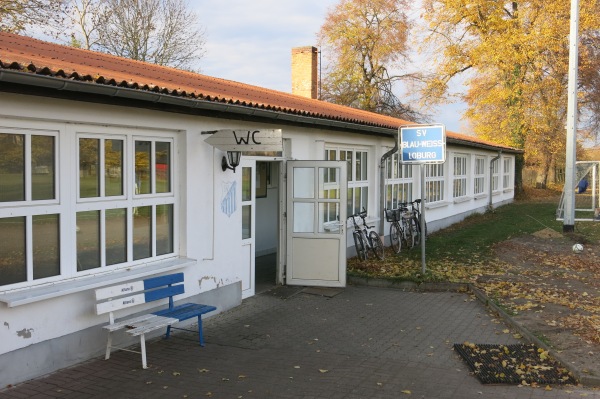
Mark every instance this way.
x=50 y=59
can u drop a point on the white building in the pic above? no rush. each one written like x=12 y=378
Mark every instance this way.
x=106 y=176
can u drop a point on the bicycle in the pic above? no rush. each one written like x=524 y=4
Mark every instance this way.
x=391 y=215
x=403 y=227
x=409 y=228
x=365 y=238
x=416 y=206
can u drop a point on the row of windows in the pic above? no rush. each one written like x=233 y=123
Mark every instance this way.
x=121 y=211
x=466 y=178
x=399 y=178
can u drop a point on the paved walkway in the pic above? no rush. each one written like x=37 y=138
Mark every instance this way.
x=364 y=342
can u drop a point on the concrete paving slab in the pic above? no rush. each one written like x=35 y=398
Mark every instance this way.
x=364 y=342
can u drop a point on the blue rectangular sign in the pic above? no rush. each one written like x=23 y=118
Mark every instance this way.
x=423 y=144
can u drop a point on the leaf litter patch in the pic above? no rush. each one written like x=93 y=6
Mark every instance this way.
x=523 y=364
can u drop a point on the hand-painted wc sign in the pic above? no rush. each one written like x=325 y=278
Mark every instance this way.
x=264 y=140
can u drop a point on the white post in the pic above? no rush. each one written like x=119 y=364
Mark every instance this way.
x=571 y=155
x=422 y=227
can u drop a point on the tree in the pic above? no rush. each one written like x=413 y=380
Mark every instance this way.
x=17 y=16
x=517 y=53
x=86 y=16
x=363 y=40
x=163 y=32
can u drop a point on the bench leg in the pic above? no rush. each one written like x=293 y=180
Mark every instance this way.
x=168 y=332
x=143 y=350
x=200 y=336
x=108 y=346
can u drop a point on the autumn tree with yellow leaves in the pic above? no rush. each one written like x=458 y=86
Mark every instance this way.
x=363 y=42
x=517 y=55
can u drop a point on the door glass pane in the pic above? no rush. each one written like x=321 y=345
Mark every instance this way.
x=163 y=167
x=12 y=167
x=46 y=246
x=164 y=229
x=88 y=240
x=347 y=156
x=113 y=167
x=142 y=232
x=304 y=217
x=304 y=183
x=246 y=184
x=42 y=167
x=13 y=266
x=89 y=163
x=246 y=222
x=116 y=236
x=329 y=183
x=329 y=217
x=143 y=175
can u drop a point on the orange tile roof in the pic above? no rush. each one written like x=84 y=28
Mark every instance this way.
x=30 y=55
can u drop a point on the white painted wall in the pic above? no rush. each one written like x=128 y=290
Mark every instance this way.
x=206 y=233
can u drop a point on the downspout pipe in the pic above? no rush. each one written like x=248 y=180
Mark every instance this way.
x=382 y=187
x=497 y=157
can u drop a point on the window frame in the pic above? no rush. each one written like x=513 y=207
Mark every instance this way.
x=460 y=176
x=67 y=200
x=399 y=182
x=29 y=208
x=507 y=173
x=435 y=182
x=354 y=185
x=495 y=173
x=479 y=176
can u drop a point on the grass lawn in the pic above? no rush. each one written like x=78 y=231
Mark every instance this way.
x=463 y=251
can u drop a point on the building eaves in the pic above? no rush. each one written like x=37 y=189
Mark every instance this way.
x=24 y=60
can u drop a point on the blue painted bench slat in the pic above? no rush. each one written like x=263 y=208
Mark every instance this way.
x=134 y=293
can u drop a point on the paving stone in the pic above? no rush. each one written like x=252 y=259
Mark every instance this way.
x=364 y=342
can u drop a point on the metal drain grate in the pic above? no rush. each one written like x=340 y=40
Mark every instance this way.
x=513 y=364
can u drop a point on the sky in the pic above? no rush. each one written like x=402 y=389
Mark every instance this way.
x=251 y=42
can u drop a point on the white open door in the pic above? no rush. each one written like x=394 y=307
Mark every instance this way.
x=316 y=221
x=247 y=265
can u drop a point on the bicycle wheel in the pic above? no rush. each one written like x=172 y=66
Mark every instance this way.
x=396 y=237
x=359 y=245
x=416 y=228
x=376 y=245
x=408 y=236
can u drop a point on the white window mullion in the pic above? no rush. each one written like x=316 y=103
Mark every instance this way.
x=153 y=229
x=28 y=178
x=102 y=237
x=29 y=246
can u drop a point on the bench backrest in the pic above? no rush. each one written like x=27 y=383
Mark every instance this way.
x=134 y=293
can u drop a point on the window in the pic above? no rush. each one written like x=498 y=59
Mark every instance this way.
x=479 y=176
x=358 y=184
x=122 y=207
x=506 y=173
x=28 y=233
x=399 y=182
x=434 y=182
x=246 y=203
x=117 y=224
x=459 y=188
x=495 y=175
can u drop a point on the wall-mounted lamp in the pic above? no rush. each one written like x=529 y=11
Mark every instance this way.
x=231 y=161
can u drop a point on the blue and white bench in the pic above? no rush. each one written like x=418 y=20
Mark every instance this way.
x=126 y=295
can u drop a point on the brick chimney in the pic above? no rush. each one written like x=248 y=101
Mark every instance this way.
x=304 y=71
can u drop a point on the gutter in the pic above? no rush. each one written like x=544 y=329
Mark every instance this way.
x=60 y=84
x=382 y=187
x=152 y=97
